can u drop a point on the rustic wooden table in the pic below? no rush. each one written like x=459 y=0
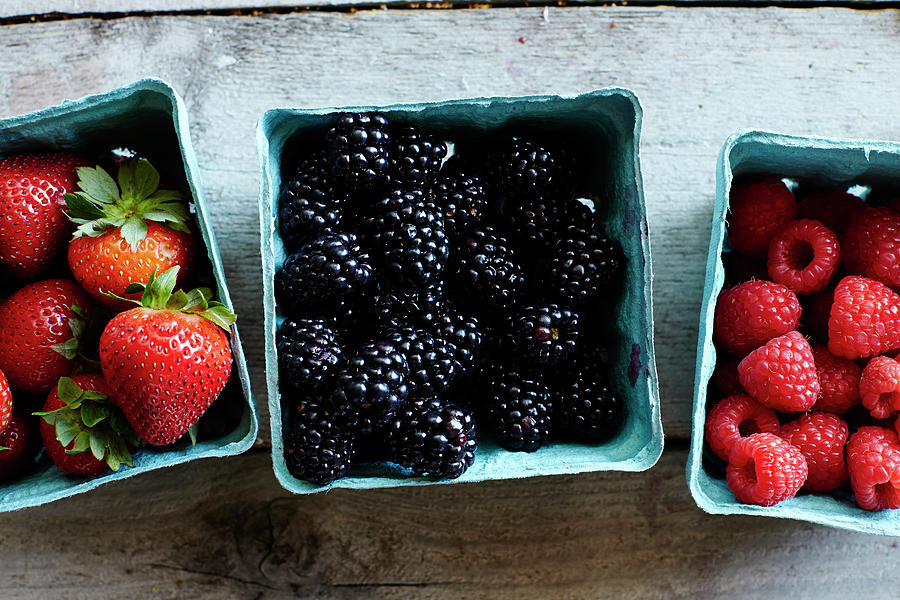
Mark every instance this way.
x=225 y=529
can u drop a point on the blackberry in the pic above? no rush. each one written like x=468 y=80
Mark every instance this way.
x=311 y=204
x=582 y=265
x=464 y=332
x=542 y=219
x=432 y=365
x=586 y=409
x=326 y=270
x=519 y=410
x=462 y=198
x=316 y=448
x=547 y=334
x=422 y=308
x=309 y=354
x=359 y=149
x=416 y=156
x=372 y=387
x=436 y=439
x=408 y=232
x=531 y=168
x=487 y=269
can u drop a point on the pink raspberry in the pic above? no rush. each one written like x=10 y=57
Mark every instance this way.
x=871 y=246
x=833 y=208
x=865 y=319
x=764 y=469
x=804 y=256
x=879 y=387
x=838 y=382
x=821 y=438
x=760 y=208
x=752 y=313
x=873 y=462
x=736 y=417
x=782 y=374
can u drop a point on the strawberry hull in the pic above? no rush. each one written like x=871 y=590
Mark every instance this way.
x=607 y=125
x=149 y=116
x=825 y=162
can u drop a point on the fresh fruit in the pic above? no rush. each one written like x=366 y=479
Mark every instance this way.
x=736 y=417
x=546 y=334
x=126 y=230
x=311 y=202
x=582 y=265
x=360 y=150
x=168 y=359
x=838 y=382
x=531 y=167
x=419 y=308
x=466 y=334
x=309 y=353
x=416 y=156
x=540 y=219
x=316 y=448
x=19 y=444
x=835 y=209
x=6 y=405
x=462 y=198
x=865 y=319
x=752 y=313
x=817 y=312
x=519 y=410
x=804 y=256
x=879 y=386
x=488 y=271
x=873 y=463
x=586 y=408
x=33 y=224
x=782 y=374
x=760 y=208
x=433 y=438
x=871 y=244
x=764 y=469
x=42 y=324
x=432 y=367
x=821 y=438
x=83 y=432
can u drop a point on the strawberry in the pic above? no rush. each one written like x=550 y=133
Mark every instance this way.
x=42 y=324
x=33 y=226
x=167 y=360
x=126 y=230
x=78 y=416
x=18 y=445
x=5 y=402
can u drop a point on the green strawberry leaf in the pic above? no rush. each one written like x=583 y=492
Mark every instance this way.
x=92 y=413
x=81 y=443
x=98 y=444
x=138 y=179
x=67 y=390
x=133 y=232
x=220 y=315
x=134 y=288
x=79 y=311
x=2 y=448
x=66 y=431
x=81 y=208
x=98 y=185
x=193 y=433
x=68 y=348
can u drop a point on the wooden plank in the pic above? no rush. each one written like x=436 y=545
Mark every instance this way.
x=700 y=74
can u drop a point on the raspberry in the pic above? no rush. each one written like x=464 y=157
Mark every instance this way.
x=835 y=209
x=879 y=386
x=873 y=462
x=724 y=381
x=736 y=417
x=865 y=319
x=782 y=374
x=760 y=208
x=821 y=438
x=752 y=313
x=804 y=256
x=838 y=382
x=817 y=312
x=764 y=469
x=871 y=245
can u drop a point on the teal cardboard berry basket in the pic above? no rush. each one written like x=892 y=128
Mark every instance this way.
x=607 y=123
x=148 y=116
x=828 y=162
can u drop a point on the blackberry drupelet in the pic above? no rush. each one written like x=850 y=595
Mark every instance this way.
x=407 y=232
x=372 y=387
x=582 y=265
x=586 y=408
x=464 y=332
x=462 y=197
x=316 y=448
x=322 y=272
x=546 y=334
x=360 y=149
x=311 y=203
x=435 y=439
x=309 y=354
x=432 y=363
x=530 y=168
x=519 y=411
x=487 y=269
x=421 y=308
x=417 y=156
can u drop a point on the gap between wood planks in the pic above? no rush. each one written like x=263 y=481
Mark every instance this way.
x=350 y=7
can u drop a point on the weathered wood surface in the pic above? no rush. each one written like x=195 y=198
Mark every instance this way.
x=224 y=529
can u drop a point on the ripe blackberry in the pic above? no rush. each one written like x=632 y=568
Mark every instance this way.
x=416 y=156
x=531 y=168
x=462 y=197
x=582 y=265
x=328 y=269
x=421 y=308
x=311 y=204
x=487 y=269
x=432 y=364
x=586 y=408
x=372 y=387
x=466 y=335
x=359 y=149
x=435 y=439
x=309 y=354
x=542 y=219
x=547 y=334
x=408 y=232
x=316 y=447
x=519 y=410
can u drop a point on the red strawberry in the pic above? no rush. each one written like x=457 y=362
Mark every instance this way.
x=167 y=360
x=5 y=402
x=18 y=445
x=33 y=226
x=760 y=208
x=126 y=231
x=41 y=325
x=782 y=374
x=83 y=432
x=865 y=319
